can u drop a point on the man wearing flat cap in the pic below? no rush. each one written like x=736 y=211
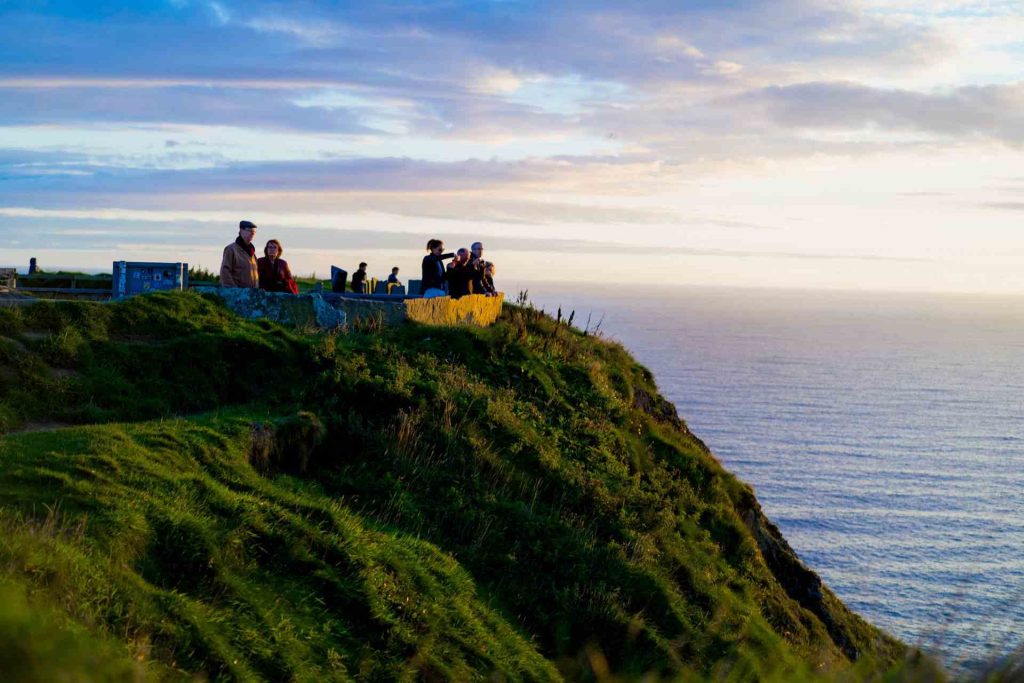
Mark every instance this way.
x=238 y=267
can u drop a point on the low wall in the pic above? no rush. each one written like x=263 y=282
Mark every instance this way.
x=303 y=310
x=475 y=309
x=329 y=311
x=366 y=309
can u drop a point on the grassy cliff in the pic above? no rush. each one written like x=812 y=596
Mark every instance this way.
x=184 y=494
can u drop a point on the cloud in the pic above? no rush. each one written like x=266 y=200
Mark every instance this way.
x=337 y=175
x=1003 y=206
x=674 y=46
x=994 y=112
x=105 y=235
x=677 y=89
x=318 y=34
x=488 y=191
x=675 y=83
x=266 y=109
x=722 y=68
x=498 y=81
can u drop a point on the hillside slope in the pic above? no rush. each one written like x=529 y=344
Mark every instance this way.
x=184 y=493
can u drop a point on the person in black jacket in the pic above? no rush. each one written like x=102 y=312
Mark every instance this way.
x=478 y=267
x=433 y=282
x=359 y=279
x=460 y=275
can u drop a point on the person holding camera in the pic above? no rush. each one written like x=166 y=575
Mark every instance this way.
x=460 y=275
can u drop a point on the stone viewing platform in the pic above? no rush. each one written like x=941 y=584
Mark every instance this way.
x=333 y=310
x=316 y=308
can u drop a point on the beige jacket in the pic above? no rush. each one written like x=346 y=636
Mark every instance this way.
x=238 y=267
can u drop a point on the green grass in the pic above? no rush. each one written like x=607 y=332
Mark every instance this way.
x=248 y=502
x=165 y=538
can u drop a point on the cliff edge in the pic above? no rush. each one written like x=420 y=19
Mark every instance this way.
x=185 y=493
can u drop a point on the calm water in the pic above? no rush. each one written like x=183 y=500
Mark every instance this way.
x=883 y=434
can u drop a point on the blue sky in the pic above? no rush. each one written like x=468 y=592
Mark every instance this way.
x=867 y=145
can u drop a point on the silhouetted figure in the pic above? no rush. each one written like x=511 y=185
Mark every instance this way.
x=393 y=278
x=32 y=267
x=359 y=279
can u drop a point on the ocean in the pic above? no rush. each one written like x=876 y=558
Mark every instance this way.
x=882 y=432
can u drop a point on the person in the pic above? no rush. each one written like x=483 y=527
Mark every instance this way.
x=477 y=267
x=359 y=279
x=433 y=274
x=460 y=275
x=393 y=278
x=487 y=282
x=238 y=265
x=275 y=276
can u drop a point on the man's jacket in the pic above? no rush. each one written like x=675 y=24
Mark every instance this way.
x=238 y=266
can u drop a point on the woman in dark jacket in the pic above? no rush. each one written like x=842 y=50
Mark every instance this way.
x=433 y=282
x=275 y=276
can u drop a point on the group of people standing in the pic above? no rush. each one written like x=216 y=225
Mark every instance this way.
x=467 y=273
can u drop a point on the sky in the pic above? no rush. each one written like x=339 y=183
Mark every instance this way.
x=864 y=145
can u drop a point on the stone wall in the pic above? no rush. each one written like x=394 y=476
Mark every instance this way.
x=330 y=311
x=368 y=310
x=304 y=310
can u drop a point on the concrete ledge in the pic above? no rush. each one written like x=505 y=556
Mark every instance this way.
x=475 y=309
